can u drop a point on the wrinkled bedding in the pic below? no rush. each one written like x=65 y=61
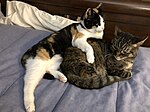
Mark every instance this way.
x=26 y=15
x=53 y=96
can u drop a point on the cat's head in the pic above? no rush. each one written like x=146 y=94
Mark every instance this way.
x=125 y=45
x=93 y=20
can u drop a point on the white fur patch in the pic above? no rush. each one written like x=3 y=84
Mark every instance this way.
x=54 y=66
x=82 y=43
x=35 y=69
x=90 y=33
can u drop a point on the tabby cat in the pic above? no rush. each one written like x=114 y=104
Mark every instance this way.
x=45 y=56
x=113 y=61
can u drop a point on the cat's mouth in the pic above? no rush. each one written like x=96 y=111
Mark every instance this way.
x=94 y=31
x=99 y=29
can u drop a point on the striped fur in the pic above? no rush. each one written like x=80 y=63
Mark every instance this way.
x=113 y=61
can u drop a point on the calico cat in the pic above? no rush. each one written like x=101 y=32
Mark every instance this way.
x=113 y=61
x=45 y=56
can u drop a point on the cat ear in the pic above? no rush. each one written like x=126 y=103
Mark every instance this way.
x=98 y=9
x=117 y=30
x=140 y=41
x=87 y=13
x=99 y=5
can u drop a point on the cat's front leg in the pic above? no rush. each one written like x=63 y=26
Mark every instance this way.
x=90 y=54
x=82 y=44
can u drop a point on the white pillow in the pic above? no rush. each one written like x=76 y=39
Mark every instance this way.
x=25 y=15
x=3 y=19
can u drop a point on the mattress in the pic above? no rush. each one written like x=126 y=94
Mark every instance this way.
x=54 y=96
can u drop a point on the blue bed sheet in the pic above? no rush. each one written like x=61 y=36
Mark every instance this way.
x=53 y=96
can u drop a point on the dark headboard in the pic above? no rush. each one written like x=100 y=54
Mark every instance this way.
x=3 y=6
x=131 y=16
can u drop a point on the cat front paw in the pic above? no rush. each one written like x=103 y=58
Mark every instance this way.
x=90 y=55
x=90 y=59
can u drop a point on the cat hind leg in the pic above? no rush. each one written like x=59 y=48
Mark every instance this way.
x=35 y=69
x=54 y=66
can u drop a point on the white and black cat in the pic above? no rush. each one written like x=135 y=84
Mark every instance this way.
x=45 y=56
x=113 y=61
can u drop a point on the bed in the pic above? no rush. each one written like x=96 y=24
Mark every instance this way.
x=53 y=96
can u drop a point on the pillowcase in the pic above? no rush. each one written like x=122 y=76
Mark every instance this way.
x=23 y=14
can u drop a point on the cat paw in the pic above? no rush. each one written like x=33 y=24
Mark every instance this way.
x=58 y=75
x=30 y=108
x=62 y=78
x=126 y=75
x=90 y=59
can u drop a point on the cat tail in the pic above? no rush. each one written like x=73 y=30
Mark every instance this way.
x=93 y=82
x=109 y=79
x=85 y=83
